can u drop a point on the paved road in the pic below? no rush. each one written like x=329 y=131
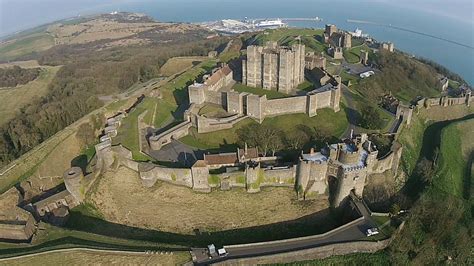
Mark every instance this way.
x=355 y=231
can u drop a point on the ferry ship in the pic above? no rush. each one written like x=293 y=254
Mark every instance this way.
x=270 y=24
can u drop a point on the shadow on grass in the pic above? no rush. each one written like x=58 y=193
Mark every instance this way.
x=316 y=223
x=431 y=142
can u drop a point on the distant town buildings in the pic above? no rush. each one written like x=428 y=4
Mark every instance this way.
x=389 y=46
x=274 y=67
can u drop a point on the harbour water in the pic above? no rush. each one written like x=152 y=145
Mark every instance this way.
x=457 y=58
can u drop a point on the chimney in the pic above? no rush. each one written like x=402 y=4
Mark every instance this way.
x=311 y=151
x=245 y=148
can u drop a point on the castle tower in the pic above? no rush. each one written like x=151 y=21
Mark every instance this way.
x=347 y=40
x=254 y=66
x=270 y=71
x=364 y=57
x=330 y=29
x=286 y=70
x=73 y=179
x=200 y=173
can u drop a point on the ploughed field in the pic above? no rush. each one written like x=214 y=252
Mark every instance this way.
x=121 y=198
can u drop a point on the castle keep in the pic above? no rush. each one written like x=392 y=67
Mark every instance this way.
x=274 y=67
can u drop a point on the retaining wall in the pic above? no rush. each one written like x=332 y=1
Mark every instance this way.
x=205 y=124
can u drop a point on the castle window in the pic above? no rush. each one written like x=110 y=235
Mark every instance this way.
x=356 y=177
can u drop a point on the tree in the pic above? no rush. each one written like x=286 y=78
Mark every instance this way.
x=370 y=118
x=85 y=134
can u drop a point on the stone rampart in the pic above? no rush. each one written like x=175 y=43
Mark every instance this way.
x=149 y=174
x=205 y=124
x=176 y=132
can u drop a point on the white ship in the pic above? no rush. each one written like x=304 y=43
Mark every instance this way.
x=270 y=24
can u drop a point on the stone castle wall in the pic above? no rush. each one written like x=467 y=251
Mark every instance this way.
x=290 y=105
x=179 y=176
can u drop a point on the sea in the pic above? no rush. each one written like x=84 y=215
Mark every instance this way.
x=457 y=58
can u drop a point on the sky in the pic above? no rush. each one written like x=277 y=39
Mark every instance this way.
x=18 y=15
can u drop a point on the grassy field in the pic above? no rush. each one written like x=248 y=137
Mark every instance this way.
x=12 y=99
x=378 y=258
x=285 y=35
x=353 y=55
x=178 y=64
x=36 y=42
x=174 y=92
x=213 y=110
x=103 y=258
x=128 y=134
x=271 y=214
x=271 y=94
x=327 y=120
x=457 y=143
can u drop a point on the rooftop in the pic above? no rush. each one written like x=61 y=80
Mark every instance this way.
x=315 y=157
x=221 y=158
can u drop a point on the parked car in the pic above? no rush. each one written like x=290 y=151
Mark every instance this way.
x=372 y=231
x=222 y=252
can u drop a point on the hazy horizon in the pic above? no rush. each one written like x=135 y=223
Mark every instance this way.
x=18 y=15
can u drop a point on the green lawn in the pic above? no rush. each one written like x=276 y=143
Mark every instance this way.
x=160 y=112
x=271 y=94
x=222 y=139
x=326 y=120
x=128 y=132
x=213 y=110
x=353 y=55
x=305 y=86
x=452 y=165
x=378 y=258
x=229 y=55
x=282 y=35
x=174 y=92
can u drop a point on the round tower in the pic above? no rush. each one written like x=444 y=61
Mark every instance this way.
x=73 y=180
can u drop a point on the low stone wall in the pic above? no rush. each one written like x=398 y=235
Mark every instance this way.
x=176 y=132
x=205 y=124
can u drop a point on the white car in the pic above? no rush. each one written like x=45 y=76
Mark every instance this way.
x=222 y=252
x=372 y=231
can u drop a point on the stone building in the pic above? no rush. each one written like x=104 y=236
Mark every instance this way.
x=312 y=61
x=199 y=93
x=16 y=224
x=341 y=168
x=389 y=46
x=337 y=38
x=336 y=52
x=274 y=67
